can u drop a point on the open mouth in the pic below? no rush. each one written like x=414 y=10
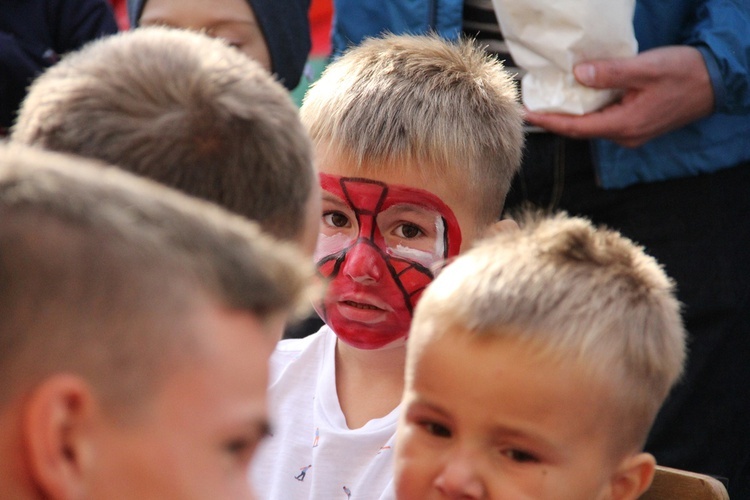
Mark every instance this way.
x=360 y=305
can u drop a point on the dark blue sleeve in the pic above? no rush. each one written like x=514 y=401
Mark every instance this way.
x=35 y=34
x=18 y=67
x=722 y=34
x=75 y=22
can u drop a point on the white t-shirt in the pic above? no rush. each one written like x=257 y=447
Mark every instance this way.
x=312 y=454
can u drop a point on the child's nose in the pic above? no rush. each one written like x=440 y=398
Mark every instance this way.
x=364 y=264
x=459 y=478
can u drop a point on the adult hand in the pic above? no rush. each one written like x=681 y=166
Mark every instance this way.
x=663 y=89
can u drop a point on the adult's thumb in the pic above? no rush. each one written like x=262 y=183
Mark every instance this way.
x=585 y=73
x=603 y=74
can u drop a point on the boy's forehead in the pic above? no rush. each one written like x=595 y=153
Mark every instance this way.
x=449 y=189
x=371 y=196
x=431 y=344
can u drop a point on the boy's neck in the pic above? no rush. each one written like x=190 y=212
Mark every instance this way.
x=368 y=383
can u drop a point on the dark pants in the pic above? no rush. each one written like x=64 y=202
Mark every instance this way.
x=699 y=229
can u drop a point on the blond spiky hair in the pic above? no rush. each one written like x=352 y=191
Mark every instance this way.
x=446 y=108
x=577 y=294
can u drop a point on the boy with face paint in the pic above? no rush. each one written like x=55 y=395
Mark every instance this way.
x=416 y=140
x=385 y=233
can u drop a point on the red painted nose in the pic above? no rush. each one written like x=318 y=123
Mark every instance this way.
x=364 y=264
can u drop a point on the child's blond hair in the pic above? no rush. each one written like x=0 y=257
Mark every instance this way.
x=442 y=107
x=185 y=110
x=100 y=271
x=576 y=294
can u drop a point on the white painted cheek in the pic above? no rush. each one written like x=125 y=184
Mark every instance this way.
x=412 y=254
x=328 y=245
x=423 y=257
x=440 y=238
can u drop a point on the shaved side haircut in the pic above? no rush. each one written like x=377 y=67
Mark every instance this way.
x=100 y=272
x=185 y=110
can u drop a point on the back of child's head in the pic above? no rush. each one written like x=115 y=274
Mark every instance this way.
x=134 y=321
x=101 y=271
x=423 y=103
x=183 y=109
x=574 y=294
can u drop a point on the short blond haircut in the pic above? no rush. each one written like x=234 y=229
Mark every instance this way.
x=185 y=110
x=577 y=294
x=425 y=103
x=101 y=271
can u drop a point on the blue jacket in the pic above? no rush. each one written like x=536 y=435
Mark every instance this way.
x=718 y=28
x=355 y=20
x=33 y=36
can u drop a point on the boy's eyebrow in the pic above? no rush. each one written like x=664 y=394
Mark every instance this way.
x=412 y=208
x=500 y=432
x=420 y=401
x=399 y=208
x=332 y=198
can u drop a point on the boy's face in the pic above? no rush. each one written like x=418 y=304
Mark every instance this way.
x=483 y=418
x=196 y=435
x=231 y=20
x=380 y=237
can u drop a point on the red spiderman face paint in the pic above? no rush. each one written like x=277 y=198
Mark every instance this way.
x=376 y=245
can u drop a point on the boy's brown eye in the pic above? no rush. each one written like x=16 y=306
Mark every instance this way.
x=520 y=456
x=409 y=231
x=339 y=220
x=437 y=430
x=336 y=219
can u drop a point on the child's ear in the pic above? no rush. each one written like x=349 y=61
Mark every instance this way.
x=633 y=476
x=500 y=226
x=56 y=417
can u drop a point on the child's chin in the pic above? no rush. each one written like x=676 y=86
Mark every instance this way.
x=369 y=341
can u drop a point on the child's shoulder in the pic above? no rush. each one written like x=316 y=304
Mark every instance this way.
x=292 y=346
x=299 y=364
x=307 y=350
